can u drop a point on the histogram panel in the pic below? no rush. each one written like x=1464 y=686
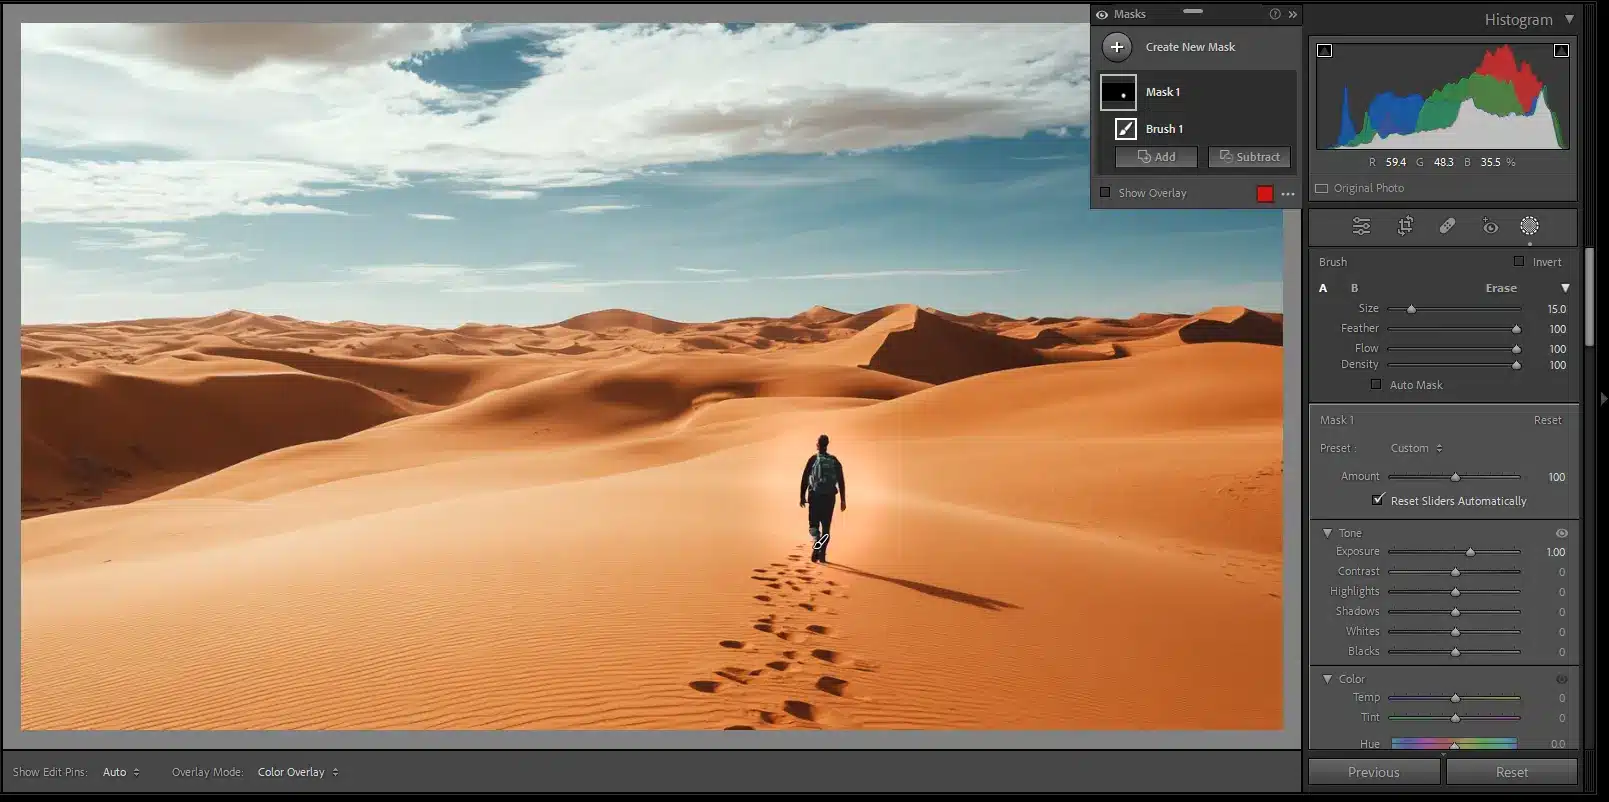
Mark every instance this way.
x=1444 y=97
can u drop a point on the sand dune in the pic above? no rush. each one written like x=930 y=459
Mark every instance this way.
x=594 y=524
x=917 y=344
x=621 y=319
x=89 y=433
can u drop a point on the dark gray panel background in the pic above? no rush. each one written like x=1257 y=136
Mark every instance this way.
x=1538 y=176
x=1477 y=439
x=1333 y=228
x=1264 y=48
x=1367 y=545
x=1336 y=708
x=1202 y=111
x=1256 y=48
x=722 y=771
x=1206 y=191
x=1400 y=277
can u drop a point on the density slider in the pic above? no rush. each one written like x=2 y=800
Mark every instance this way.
x=1515 y=365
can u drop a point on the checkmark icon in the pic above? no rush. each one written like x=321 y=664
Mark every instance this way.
x=1377 y=499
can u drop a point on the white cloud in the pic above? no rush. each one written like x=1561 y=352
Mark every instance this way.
x=501 y=194
x=585 y=285
x=459 y=278
x=707 y=271
x=539 y=267
x=871 y=274
x=36 y=263
x=171 y=247
x=427 y=216
x=164 y=191
x=597 y=208
x=118 y=238
x=412 y=274
x=265 y=118
x=186 y=258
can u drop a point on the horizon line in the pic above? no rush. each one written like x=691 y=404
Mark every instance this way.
x=559 y=323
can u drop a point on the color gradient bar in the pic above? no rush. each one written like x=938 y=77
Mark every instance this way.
x=1443 y=744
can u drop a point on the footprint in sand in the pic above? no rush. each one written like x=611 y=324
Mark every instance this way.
x=804 y=711
x=817 y=629
x=779 y=665
x=776 y=586
x=738 y=675
x=833 y=685
x=766 y=628
x=705 y=686
x=735 y=645
x=762 y=598
x=838 y=659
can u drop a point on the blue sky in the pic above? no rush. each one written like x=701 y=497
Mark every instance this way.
x=435 y=175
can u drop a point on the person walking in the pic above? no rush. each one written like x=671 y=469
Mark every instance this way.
x=822 y=484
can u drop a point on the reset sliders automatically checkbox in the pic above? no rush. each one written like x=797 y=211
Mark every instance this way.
x=1378 y=499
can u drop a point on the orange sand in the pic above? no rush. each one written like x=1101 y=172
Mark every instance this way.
x=244 y=522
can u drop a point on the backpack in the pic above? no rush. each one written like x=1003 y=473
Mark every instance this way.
x=824 y=474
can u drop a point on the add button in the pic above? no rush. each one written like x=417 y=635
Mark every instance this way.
x=1129 y=158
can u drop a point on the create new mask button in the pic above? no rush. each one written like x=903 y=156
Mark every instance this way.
x=1267 y=158
x=1128 y=158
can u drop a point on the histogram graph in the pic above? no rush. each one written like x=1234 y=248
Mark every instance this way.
x=1444 y=97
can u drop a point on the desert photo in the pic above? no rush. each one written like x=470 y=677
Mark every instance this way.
x=467 y=377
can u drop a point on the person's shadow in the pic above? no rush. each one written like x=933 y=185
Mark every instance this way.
x=984 y=602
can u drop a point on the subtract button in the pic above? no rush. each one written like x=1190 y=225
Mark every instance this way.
x=1243 y=158
x=1129 y=158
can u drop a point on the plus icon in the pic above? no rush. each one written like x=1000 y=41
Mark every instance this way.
x=1117 y=47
